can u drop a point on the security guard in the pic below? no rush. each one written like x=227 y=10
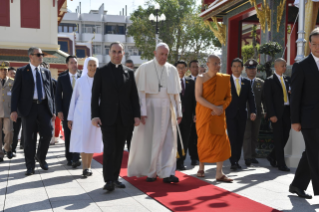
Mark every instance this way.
x=6 y=84
x=252 y=127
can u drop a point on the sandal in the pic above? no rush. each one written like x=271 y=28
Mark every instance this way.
x=200 y=173
x=225 y=179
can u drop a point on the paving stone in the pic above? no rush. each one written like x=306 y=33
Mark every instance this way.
x=75 y=205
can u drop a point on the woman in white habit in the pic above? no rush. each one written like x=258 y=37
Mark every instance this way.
x=85 y=138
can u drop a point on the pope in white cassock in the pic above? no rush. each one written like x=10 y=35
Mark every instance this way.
x=154 y=144
x=85 y=138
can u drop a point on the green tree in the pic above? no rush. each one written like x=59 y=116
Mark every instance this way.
x=184 y=32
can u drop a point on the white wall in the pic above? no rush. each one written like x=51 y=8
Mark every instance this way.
x=16 y=37
x=112 y=38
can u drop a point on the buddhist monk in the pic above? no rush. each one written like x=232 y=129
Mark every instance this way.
x=213 y=95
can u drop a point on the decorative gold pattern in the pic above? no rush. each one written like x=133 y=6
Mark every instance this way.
x=220 y=32
x=280 y=10
x=263 y=14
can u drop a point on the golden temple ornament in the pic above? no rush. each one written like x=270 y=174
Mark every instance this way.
x=280 y=11
x=220 y=32
x=263 y=14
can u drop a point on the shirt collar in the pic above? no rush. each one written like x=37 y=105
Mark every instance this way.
x=116 y=65
x=316 y=58
x=235 y=77
x=278 y=75
x=33 y=67
x=72 y=74
x=193 y=76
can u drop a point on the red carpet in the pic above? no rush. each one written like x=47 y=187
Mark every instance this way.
x=191 y=194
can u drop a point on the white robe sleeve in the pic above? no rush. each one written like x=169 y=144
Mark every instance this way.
x=178 y=104
x=142 y=97
x=74 y=99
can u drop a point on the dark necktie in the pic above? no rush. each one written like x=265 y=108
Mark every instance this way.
x=183 y=87
x=39 y=87
x=3 y=81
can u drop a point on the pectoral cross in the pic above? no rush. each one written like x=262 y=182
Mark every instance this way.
x=159 y=87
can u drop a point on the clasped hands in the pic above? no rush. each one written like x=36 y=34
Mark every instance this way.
x=217 y=110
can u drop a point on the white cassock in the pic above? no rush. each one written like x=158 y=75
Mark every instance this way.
x=154 y=145
x=85 y=137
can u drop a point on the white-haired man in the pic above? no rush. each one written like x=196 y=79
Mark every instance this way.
x=154 y=144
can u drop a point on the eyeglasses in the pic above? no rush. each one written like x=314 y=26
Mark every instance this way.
x=38 y=55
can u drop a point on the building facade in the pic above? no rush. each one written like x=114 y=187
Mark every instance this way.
x=99 y=30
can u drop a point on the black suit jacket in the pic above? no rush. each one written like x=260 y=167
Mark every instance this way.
x=304 y=102
x=23 y=90
x=188 y=101
x=238 y=103
x=274 y=96
x=110 y=101
x=64 y=92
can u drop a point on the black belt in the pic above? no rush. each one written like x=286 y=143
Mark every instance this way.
x=37 y=101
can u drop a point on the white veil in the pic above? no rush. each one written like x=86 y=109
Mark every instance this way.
x=85 y=66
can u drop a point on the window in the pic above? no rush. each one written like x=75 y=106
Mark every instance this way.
x=68 y=28
x=30 y=14
x=5 y=13
x=115 y=29
x=64 y=46
x=107 y=51
x=97 y=49
x=91 y=28
x=80 y=53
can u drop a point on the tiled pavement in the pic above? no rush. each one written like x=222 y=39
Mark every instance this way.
x=62 y=188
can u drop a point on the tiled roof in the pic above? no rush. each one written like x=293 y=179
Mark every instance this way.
x=17 y=55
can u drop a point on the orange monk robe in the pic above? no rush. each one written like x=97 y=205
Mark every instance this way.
x=213 y=143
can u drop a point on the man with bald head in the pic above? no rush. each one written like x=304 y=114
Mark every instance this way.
x=154 y=144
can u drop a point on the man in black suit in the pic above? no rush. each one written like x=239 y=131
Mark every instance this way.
x=304 y=117
x=236 y=113
x=115 y=108
x=192 y=142
x=277 y=97
x=32 y=97
x=64 y=90
x=188 y=107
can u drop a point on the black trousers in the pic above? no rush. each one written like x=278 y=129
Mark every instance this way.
x=192 y=142
x=129 y=137
x=184 y=127
x=16 y=130
x=236 y=130
x=40 y=115
x=281 y=130
x=114 y=137
x=67 y=135
x=308 y=167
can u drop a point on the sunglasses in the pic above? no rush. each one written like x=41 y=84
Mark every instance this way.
x=38 y=55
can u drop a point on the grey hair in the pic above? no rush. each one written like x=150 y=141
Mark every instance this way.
x=212 y=56
x=117 y=43
x=162 y=44
x=31 y=50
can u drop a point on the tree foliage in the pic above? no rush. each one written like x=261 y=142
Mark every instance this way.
x=184 y=32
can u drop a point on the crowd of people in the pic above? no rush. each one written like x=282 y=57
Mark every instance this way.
x=161 y=114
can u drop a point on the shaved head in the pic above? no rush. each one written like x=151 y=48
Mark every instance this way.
x=212 y=56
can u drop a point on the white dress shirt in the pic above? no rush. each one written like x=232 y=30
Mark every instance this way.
x=316 y=59
x=71 y=75
x=286 y=103
x=194 y=78
x=35 y=94
x=234 y=78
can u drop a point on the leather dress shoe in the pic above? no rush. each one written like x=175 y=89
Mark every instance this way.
x=109 y=186
x=171 y=179
x=76 y=164
x=284 y=168
x=234 y=167
x=1 y=159
x=69 y=163
x=4 y=151
x=301 y=193
x=119 y=184
x=238 y=166
x=149 y=179
x=247 y=162
x=253 y=160
x=87 y=172
x=29 y=172
x=194 y=162
x=44 y=165
x=272 y=162
x=9 y=155
x=181 y=168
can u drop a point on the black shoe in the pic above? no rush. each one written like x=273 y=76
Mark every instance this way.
x=76 y=164
x=238 y=166
x=21 y=147
x=171 y=179
x=1 y=159
x=301 y=193
x=85 y=172
x=44 y=165
x=284 y=168
x=36 y=158
x=4 y=151
x=149 y=179
x=29 y=172
x=89 y=171
x=119 y=184
x=14 y=154
x=194 y=162
x=234 y=167
x=247 y=162
x=272 y=161
x=69 y=163
x=181 y=168
x=109 y=186
x=253 y=160
x=9 y=155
